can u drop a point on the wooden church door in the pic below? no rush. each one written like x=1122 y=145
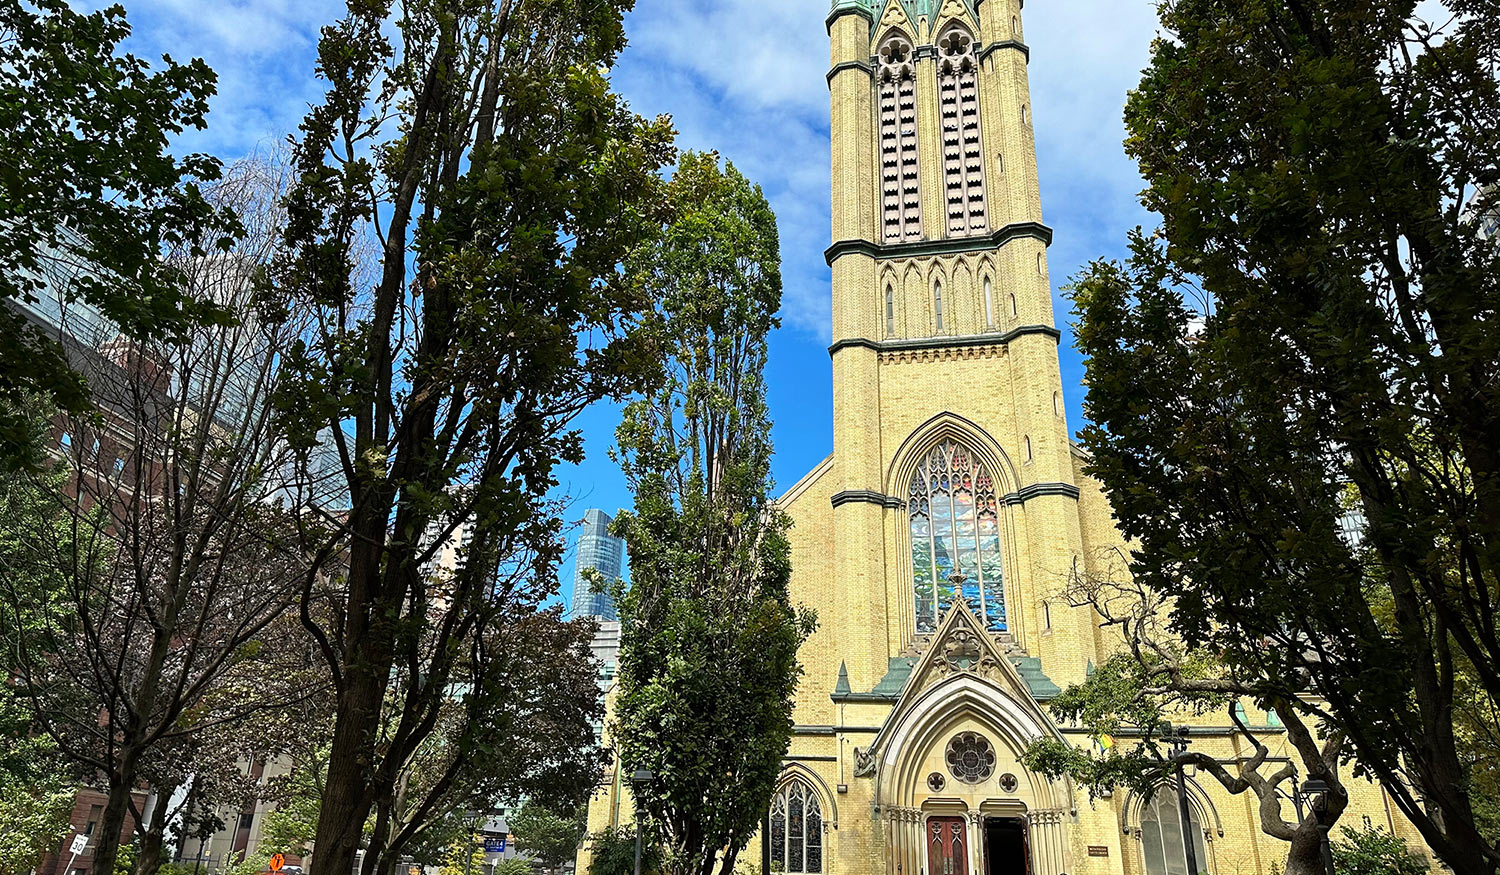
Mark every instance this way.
x=947 y=846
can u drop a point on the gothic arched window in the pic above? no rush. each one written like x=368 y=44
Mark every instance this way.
x=937 y=303
x=1162 y=836
x=901 y=200
x=989 y=307
x=955 y=538
x=963 y=161
x=890 y=310
x=796 y=829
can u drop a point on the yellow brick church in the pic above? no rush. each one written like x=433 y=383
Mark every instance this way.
x=935 y=539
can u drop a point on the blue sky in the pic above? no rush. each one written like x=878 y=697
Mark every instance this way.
x=744 y=77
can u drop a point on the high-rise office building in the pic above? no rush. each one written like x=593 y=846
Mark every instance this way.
x=601 y=551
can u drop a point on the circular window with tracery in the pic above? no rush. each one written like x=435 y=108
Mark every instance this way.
x=971 y=759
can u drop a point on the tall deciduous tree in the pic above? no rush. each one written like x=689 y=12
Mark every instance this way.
x=133 y=604
x=89 y=194
x=1296 y=380
x=545 y=836
x=1152 y=680
x=478 y=142
x=708 y=659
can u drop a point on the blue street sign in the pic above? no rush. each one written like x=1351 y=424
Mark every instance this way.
x=494 y=844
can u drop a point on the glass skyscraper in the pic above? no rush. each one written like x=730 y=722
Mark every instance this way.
x=597 y=549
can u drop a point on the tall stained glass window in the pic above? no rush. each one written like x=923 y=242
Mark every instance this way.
x=797 y=829
x=955 y=538
x=1162 y=836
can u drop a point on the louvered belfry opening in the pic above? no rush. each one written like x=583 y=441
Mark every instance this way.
x=963 y=155
x=898 y=142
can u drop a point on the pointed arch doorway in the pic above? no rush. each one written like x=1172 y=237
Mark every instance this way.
x=1007 y=849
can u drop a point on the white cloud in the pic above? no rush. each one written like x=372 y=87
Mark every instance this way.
x=747 y=77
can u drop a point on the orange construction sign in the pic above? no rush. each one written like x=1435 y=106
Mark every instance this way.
x=277 y=862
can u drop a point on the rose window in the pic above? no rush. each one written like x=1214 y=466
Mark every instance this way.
x=971 y=759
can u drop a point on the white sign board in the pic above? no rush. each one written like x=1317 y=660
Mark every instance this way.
x=80 y=842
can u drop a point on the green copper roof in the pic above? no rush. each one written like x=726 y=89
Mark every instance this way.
x=915 y=9
x=841 y=688
x=1030 y=668
x=898 y=672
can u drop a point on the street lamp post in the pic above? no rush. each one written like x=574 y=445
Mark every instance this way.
x=1179 y=744
x=638 y=783
x=1316 y=791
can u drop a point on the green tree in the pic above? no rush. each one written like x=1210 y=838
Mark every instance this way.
x=708 y=659
x=547 y=837
x=477 y=143
x=36 y=795
x=512 y=866
x=613 y=853
x=1293 y=379
x=1373 y=851
x=1152 y=680
x=143 y=576
x=91 y=193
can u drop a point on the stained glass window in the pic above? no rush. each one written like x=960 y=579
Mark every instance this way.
x=955 y=538
x=1162 y=836
x=797 y=829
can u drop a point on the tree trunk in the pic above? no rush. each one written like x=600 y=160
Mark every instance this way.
x=116 y=807
x=154 y=835
x=346 y=794
x=1305 y=856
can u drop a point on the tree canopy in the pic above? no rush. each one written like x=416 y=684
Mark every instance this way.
x=709 y=637
x=1294 y=379
x=91 y=196
x=477 y=145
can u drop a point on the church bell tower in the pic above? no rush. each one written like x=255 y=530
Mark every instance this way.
x=944 y=341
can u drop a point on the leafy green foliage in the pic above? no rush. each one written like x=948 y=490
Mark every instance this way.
x=708 y=660
x=36 y=796
x=512 y=866
x=91 y=193
x=477 y=145
x=464 y=856
x=1373 y=851
x=547 y=837
x=613 y=850
x=1315 y=321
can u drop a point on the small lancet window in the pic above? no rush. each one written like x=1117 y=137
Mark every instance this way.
x=989 y=309
x=937 y=303
x=890 y=310
x=1015 y=25
x=1057 y=404
x=1029 y=457
x=897 y=92
x=1014 y=310
x=963 y=159
x=1041 y=265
